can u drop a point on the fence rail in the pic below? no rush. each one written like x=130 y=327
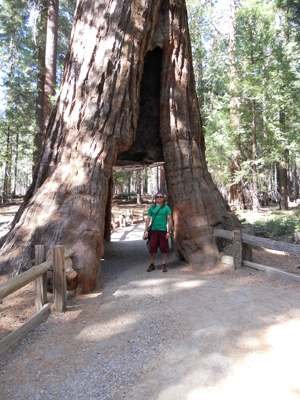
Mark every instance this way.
x=240 y=239
x=13 y=284
x=288 y=248
x=38 y=274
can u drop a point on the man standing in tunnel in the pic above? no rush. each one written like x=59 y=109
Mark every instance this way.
x=157 y=230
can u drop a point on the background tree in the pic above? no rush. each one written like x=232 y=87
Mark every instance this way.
x=17 y=118
x=22 y=48
x=250 y=77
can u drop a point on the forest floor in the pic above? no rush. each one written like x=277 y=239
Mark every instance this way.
x=267 y=222
x=7 y=214
x=275 y=224
x=19 y=306
x=180 y=335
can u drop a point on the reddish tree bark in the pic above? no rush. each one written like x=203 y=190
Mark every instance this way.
x=39 y=110
x=108 y=213
x=236 y=196
x=197 y=203
x=50 y=56
x=282 y=173
x=47 y=59
x=103 y=117
x=6 y=192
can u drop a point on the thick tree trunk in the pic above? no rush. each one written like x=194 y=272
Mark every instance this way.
x=129 y=185
x=296 y=181
x=6 y=194
x=254 y=189
x=197 y=204
x=50 y=56
x=39 y=110
x=16 y=161
x=162 y=178
x=139 y=186
x=145 y=182
x=282 y=168
x=7 y=181
x=47 y=59
x=108 y=213
x=236 y=196
x=100 y=115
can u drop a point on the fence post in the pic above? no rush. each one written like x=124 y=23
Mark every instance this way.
x=59 y=278
x=237 y=249
x=41 y=281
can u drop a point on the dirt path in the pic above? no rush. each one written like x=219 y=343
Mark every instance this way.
x=176 y=336
x=7 y=214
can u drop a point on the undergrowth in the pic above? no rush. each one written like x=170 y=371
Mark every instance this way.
x=273 y=224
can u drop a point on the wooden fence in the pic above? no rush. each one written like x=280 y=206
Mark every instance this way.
x=241 y=243
x=38 y=273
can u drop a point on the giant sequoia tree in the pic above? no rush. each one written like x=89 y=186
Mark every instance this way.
x=128 y=95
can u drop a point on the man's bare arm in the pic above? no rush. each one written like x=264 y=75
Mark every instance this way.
x=170 y=223
x=147 y=224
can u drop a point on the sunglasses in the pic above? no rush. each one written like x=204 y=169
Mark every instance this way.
x=159 y=197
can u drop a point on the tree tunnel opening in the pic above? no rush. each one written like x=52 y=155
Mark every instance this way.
x=131 y=193
x=147 y=146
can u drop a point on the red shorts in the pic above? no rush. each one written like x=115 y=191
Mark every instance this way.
x=158 y=240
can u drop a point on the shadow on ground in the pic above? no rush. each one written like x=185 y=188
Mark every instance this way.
x=181 y=335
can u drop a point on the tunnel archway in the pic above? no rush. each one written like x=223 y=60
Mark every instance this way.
x=146 y=148
x=147 y=145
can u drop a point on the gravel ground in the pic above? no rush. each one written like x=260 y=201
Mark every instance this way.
x=16 y=309
x=183 y=335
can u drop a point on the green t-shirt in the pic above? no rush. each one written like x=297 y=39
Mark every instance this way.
x=161 y=219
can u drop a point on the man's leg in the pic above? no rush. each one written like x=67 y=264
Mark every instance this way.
x=152 y=258
x=164 y=257
x=164 y=248
x=153 y=246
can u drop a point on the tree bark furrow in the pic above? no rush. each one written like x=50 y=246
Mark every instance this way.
x=103 y=112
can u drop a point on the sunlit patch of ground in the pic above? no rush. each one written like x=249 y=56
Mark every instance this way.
x=7 y=214
x=181 y=335
x=272 y=222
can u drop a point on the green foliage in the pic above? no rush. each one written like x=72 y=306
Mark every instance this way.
x=292 y=12
x=277 y=225
x=121 y=177
x=20 y=35
x=66 y=13
x=262 y=72
x=17 y=122
x=262 y=76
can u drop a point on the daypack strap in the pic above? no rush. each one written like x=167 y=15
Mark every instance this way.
x=153 y=219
